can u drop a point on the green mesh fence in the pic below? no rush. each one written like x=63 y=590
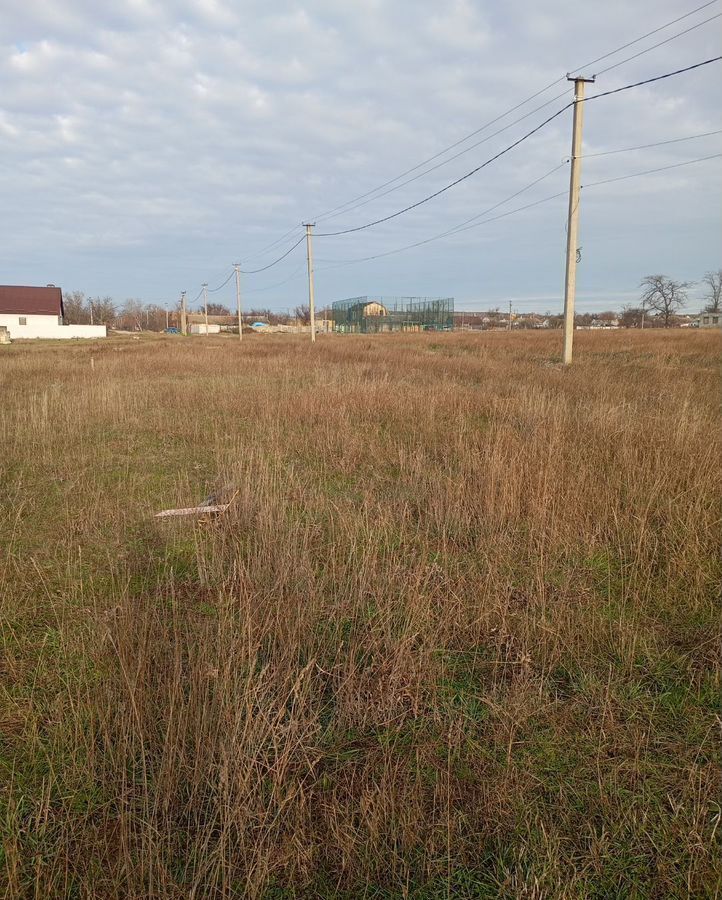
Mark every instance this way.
x=371 y=315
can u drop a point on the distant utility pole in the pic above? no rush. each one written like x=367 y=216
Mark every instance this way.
x=183 y=320
x=508 y=324
x=237 y=267
x=309 y=260
x=90 y=303
x=570 y=281
x=166 y=318
x=205 y=304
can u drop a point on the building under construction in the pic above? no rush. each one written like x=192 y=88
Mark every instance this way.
x=371 y=315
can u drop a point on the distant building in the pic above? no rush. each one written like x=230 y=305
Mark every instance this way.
x=37 y=312
x=709 y=320
x=202 y=328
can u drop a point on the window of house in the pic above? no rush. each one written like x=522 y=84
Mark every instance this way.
x=22 y=320
x=715 y=320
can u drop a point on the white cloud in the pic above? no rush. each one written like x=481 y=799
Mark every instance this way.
x=147 y=144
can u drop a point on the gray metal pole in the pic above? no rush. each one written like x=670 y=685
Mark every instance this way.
x=311 y=300
x=570 y=281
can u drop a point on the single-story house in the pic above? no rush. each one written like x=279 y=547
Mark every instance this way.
x=37 y=312
x=706 y=320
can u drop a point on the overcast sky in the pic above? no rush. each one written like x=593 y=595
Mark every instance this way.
x=146 y=146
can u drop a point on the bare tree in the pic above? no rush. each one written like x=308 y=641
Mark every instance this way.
x=75 y=308
x=303 y=313
x=132 y=314
x=664 y=295
x=103 y=310
x=218 y=309
x=713 y=295
x=632 y=317
x=608 y=315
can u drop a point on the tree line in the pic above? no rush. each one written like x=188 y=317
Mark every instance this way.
x=661 y=296
x=134 y=315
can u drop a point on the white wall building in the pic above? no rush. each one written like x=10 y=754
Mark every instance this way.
x=37 y=312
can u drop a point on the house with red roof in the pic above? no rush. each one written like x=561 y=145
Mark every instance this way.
x=37 y=312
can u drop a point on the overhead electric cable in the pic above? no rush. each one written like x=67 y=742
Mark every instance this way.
x=533 y=96
x=450 y=232
x=213 y=290
x=270 y=287
x=593 y=62
x=690 y=137
x=273 y=243
x=275 y=261
x=464 y=227
x=461 y=225
x=451 y=158
x=512 y=146
x=628 y=87
x=660 y=44
x=678 y=165
x=452 y=184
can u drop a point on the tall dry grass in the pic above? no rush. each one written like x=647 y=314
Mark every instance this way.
x=458 y=637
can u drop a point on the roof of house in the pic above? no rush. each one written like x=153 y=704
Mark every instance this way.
x=34 y=301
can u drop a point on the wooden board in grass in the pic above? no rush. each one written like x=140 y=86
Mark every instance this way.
x=205 y=511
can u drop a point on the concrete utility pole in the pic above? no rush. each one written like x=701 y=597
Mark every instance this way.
x=205 y=304
x=508 y=324
x=570 y=281
x=237 y=267
x=183 y=320
x=90 y=304
x=166 y=318
x=311 y=301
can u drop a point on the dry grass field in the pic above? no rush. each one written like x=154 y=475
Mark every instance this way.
x=458 y=636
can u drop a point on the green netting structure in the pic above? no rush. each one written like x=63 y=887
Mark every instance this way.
x=372 y=315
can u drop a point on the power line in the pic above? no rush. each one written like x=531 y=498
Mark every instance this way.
x=593 y=62
x=213 y=290
x=452 y=231
x=628 y=87
x=274 y=243
x=271 y=287
x=379 y=193
x=276 y=261
x=461 y=225
x=660 y=44
x=458 y=229
x=350 y=203
x=451 y=158
x=516 y=144
x=453 y=183
x=690 y=137
x=679 y=165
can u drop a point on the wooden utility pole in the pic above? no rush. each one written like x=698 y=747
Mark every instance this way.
x=570 y=281
x=311 y=300
x=205 y=304
x=183 y=319
x=237 y=267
